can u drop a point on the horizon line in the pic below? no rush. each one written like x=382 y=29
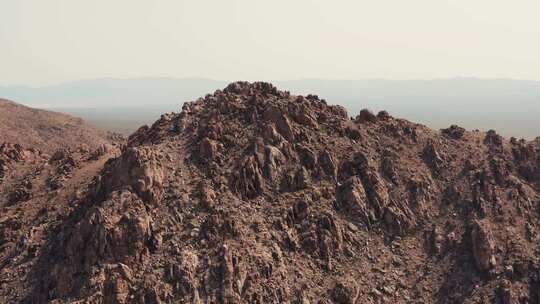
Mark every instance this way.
x=82 y=80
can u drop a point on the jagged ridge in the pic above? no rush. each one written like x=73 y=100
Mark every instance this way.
x=255 y=195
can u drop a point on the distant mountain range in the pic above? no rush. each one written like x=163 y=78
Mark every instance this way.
x=97 y=93
x=510 y=106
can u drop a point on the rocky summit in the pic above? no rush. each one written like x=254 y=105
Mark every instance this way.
x=254 y=195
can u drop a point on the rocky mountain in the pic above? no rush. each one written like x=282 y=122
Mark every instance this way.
x=45 y=130
x=47 y=160
x=254 y=195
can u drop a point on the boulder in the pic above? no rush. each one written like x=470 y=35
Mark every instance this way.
x=208 y=149
x=344 y=293
x=432 y=158
x=20 y=194
x=303 y=115
x=453 y=132
x=282 y=123
x=273 y=160
x=307 y=156
x=352 y=196
x=270 y=134
x=366 y=116
x=328 y=163
x=295 y=180
x=14 y=152
x=248 y=180
x=483 y=245
x=141 y=169
x=493 y=139
x=103 y=150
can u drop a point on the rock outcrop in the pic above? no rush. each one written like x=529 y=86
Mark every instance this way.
x=483 y=246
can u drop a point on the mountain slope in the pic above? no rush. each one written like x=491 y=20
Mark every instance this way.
x=254 y=195
x=45 y=130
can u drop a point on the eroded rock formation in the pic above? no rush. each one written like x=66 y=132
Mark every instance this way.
x=254 y=195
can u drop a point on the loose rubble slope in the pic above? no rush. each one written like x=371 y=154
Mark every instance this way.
x=253 y=195
x=37 y=191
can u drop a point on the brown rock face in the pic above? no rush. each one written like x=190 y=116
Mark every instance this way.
x=352 y=196
x=328 y=163
x=106 y=234
x=454 y=132
x=140 y=169
x=274 y=116
x=248 y=180
x=483 y=245
x=254 y=195
x=273 y=160
x=208 y=149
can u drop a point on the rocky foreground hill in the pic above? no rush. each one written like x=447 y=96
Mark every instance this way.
x=253 y=195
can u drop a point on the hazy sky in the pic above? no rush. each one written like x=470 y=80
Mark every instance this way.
x=44 y=42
